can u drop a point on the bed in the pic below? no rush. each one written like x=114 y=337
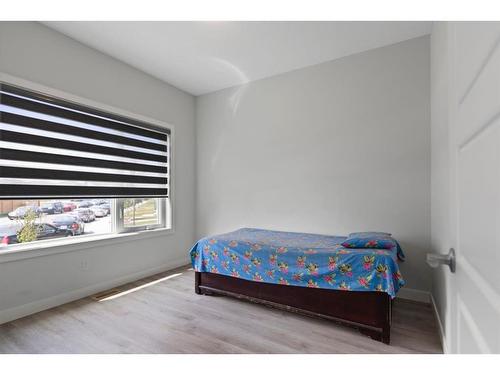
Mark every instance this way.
x=304 y=273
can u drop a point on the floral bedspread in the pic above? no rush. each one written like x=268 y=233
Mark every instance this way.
x=299 y=259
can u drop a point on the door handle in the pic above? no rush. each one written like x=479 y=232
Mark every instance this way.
x=435 y=260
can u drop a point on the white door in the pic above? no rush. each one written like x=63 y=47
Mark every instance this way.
x=475 y=184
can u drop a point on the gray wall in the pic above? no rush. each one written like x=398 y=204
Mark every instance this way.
x=333 y=148
x=440 y=170
x=34 y=52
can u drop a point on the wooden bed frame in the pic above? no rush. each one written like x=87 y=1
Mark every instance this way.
x=370 y=312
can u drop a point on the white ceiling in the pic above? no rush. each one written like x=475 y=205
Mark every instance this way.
x=201 y=57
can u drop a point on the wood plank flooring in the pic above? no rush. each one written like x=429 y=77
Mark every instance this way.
x=164 y=315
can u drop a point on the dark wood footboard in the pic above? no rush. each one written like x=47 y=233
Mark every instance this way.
x=370 y=312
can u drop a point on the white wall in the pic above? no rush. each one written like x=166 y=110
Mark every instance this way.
x=332 y=148
x=34 y=52
x=440 y=171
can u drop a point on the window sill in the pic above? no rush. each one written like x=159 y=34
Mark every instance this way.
x=59 y=246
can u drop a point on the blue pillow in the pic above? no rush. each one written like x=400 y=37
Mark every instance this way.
x=369 y=242
x=369 y=234
x=373 y=240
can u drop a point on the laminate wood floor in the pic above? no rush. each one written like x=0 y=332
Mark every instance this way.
x=162 y=314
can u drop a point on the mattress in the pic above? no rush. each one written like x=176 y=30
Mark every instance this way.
x=298 y=259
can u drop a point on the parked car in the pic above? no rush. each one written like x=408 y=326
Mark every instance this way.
x=98 y=211
x=52 y=208
x=71 y=223
x=84 y=214
x=8 y=234
x=69 y=206
x=47 y=231
x=84 y=204
x=106 y=207
x=20 y=212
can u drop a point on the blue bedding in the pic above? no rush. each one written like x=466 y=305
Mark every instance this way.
x=299 y=259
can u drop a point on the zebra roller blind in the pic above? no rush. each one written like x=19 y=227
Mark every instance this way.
x=52 y=148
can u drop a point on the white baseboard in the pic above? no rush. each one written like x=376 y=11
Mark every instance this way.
x=442 y=336
x=53 y=301
x=414 y=295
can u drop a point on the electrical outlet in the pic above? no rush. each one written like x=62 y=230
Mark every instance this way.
x=84 y=265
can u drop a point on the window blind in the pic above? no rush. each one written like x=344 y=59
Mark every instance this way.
x=53 y=148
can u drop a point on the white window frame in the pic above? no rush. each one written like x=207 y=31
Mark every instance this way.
x=120 y=215
x=46 y=247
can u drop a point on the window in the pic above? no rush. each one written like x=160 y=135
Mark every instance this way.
x=27 y=221
x=141 y=214
x=67 y=170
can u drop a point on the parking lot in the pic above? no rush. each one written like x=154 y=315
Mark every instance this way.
x=99 y=225
x=95 y=216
